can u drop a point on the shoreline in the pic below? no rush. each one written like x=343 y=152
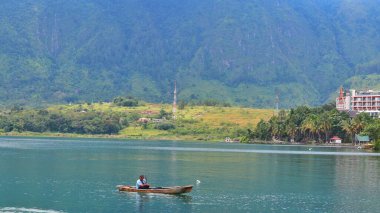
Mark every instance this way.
x=347 y=145
x=102 y=136
x=166 y=138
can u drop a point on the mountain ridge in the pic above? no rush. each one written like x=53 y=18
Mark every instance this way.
x=239 y=52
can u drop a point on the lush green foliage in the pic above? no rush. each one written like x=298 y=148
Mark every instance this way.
x=129 y=102
x=165 y=126
x=238 y=52
x=373 y=130
x=81 y=122
x=146 y=120
x=304 y=124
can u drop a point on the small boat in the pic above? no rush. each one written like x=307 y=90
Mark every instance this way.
x=162 y=190
x=368 y=146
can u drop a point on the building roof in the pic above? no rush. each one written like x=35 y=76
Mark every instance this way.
x=368 y=92
x=363 y=138
x=335 y=138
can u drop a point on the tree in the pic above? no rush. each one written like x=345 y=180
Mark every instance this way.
x=325 y=124
x=299 y=114
x=373 y=131
x=249 y=136
x=129 y=102
x=291 y=130
x=349 y=128
x=337 y=118
x=277 y=128
x=263 y=130
x=164 y=114
x=312 y=125
x=359 y=123
x=165 y=126
x=181 y=104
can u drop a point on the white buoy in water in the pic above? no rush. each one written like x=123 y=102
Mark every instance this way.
x=198 y=181
x=310 y=149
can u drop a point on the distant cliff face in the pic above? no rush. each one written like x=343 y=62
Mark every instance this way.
x=241 y=52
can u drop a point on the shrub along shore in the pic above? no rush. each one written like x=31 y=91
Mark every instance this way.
x=317 y=125
x=129 y=118
x=133 y=119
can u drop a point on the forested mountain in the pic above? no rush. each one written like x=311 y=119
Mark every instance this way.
x=236 y=51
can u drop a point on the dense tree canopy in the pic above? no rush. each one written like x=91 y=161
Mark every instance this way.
x=304 y=124
x=81 y=122
x=236 y=52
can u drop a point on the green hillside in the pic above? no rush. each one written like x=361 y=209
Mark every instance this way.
x=139 y=120
x=238 y=52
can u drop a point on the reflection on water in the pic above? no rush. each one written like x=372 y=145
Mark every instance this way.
x=355 y=176
x=81 y=175
x=26 y=210
x=256 y=151
x=32 y=143
x=142 y=200
x=185 y=198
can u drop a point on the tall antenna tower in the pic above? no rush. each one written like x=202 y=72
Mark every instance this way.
x=175 y=100
x=277 y=102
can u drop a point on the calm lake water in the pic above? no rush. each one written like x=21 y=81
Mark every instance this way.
x=80 y=175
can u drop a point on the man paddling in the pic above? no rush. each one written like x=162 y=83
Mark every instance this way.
x=142 y=183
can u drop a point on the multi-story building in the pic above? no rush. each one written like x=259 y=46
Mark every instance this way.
x=359 y=101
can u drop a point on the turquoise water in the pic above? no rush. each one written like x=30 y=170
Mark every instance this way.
x=80 y=175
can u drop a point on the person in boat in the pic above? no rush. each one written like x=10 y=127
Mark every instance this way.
x=141 y=183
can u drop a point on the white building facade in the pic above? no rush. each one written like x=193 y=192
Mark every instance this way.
x=359 y=101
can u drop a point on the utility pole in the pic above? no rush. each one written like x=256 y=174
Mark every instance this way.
x=175 y=100
x=277 y=102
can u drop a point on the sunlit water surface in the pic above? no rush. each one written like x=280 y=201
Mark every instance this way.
x=80 y=175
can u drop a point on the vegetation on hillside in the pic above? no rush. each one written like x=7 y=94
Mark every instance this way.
x=305 y=124
x=237 y=52
x=191 y=122
x=145 y=120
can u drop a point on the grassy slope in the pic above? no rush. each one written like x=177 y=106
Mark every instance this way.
x=192 y=123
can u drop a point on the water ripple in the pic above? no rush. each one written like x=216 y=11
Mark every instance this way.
x=255 y=151
x=27 y=210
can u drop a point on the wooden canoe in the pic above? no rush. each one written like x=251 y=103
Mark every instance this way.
x=162 y=190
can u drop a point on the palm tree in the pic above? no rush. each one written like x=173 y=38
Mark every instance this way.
x=349 y=128
x=310 y=125
x=318 y=126
x=306 y=127
x=275 y=127
x=325 y=124
x=359 y=123
x=291 y=130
